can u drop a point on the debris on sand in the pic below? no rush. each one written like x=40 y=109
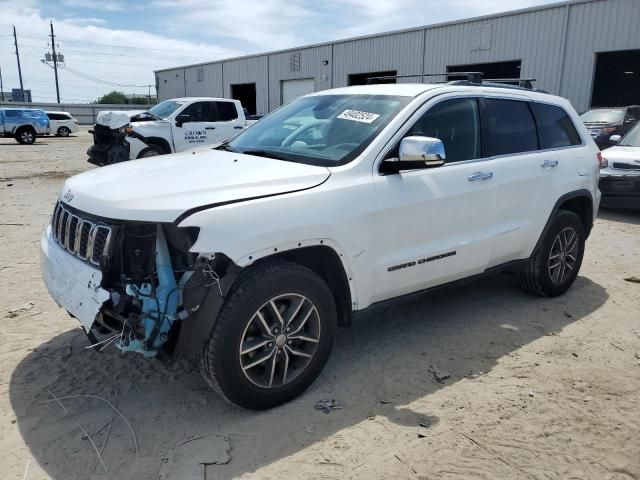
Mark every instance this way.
x=423 y=428
x=506 y=326
x=439 y=375
x=632 y=279
x=328 y=406
x=14 y=312
x=189 y=458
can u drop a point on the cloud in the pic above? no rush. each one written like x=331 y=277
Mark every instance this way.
x=104 y=5
x=126 y=56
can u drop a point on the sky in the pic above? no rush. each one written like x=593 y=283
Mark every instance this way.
x=121 y=42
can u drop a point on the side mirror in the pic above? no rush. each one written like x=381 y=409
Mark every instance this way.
x=180 y=119
x=416 y=153
x=615 y=138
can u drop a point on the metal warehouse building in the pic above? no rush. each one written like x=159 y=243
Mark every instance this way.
x=585 y=50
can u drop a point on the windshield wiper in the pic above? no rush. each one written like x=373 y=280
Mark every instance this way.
x=267 y=154
x=226 y=147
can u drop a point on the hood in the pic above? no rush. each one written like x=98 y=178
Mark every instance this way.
x=160 y=189
x=115 y=119
x=628 y=155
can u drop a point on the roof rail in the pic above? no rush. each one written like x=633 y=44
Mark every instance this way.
x=521 y=82
x=472 y=77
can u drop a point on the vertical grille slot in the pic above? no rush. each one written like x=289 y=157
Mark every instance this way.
x=83 y=238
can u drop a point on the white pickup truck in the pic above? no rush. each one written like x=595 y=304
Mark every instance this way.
x=171 y=126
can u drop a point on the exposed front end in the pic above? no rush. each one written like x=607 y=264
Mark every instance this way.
x=130 y=282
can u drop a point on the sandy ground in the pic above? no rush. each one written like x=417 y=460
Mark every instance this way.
x=538 y=388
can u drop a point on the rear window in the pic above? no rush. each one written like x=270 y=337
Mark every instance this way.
x=508 y=127
x=555 y=127
x=226 y=111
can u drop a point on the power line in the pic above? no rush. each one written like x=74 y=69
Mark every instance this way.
x=98 y=80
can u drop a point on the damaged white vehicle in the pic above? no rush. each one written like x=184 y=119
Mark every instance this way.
x=172 y=126
x=252 y=252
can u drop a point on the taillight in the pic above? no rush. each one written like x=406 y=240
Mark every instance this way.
x=603 y=162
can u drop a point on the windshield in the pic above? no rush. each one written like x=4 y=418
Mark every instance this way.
x=603 y=116
x=632 y=139
x=326 y=130
x=166 y=108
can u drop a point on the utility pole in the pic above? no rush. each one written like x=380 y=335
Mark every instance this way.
x=55 y=61
x=15 y=39
x=1 y=87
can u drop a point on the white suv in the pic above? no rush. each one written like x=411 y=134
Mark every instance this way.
x=250 y=253
x=62 y=123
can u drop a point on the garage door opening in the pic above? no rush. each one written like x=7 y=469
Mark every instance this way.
x=617 y=79
x=246 y=93
x=292 y=89
x=510 y=69
x=361 y=78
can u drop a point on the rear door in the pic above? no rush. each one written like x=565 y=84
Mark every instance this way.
x=228 y=121
x=529 y=164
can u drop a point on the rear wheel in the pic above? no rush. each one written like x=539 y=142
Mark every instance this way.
x=25 y=135
x=63 y=132
x=554 y=266
x=151 y=151
x=272 y=337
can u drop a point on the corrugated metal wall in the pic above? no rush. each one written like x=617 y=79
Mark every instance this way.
x=309 y=66
x=204 y=80
x=557 y=45
x=596 y=27
x=533 y=37
x=248 y=70
x=401 y=52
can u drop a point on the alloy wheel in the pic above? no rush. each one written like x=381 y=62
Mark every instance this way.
x=280 y=340
x=27 y=136
x=563 y=257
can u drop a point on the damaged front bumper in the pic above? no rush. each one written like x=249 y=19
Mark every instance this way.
x=73 y=284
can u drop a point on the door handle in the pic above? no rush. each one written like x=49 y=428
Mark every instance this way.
x=209 y=128
x=238 y=128
x=480 y=176
x=549 y=164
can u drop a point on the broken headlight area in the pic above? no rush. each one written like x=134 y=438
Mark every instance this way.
x=155 y=284
x=109 y=145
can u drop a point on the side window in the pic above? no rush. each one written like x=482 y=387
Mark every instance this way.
x=508 y=127
x=226 y=111
x=198 y=112
x=12 y=113
x=555 y=127
x=457 y=123
x=633 y=115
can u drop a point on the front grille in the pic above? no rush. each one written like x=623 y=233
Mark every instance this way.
x=82 y=237
x=626 y=166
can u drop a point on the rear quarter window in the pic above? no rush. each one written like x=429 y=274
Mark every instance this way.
x=555 y=127
x=508 y=127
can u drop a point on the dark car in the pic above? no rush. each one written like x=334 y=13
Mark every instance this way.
x=603 y=123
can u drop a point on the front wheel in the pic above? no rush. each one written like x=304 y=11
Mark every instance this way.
x=151 y=151
x=554 y=266
x=272 y=337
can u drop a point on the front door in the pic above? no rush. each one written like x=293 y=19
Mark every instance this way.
x=195 y=126
x=433 y=226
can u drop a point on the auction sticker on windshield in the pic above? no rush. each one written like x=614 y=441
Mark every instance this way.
x=358 y=116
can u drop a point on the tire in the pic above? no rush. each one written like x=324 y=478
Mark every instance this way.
x=539 y=275
x=25 y=135
x=151 y=151
x=239 y=328
x=63 y=132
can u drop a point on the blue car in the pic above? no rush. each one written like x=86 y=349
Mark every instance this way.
x=24 y=124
